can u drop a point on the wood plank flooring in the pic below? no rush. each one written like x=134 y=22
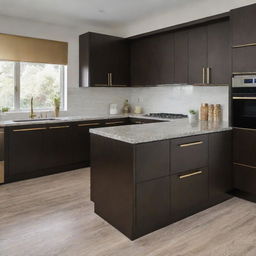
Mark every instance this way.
x=53 y=215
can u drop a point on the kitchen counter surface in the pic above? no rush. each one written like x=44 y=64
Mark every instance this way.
x=74 y=119
x=136 y=134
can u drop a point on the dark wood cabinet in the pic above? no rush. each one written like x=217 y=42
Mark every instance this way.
x=152 y=60
x=209 y=48
x=26 y=151
x=135 y=188
x=152 y=205
x=151 y=160
x=58 y=146
x=103 y=60
x=219 y=52
x=220 y=166
x=81 y=140
x=189 y=193
x=244 y=59
x=244 y=160
x=244 y=146
x=197 y=48
x=188 y=153
x=181 y=56
x=243 y=22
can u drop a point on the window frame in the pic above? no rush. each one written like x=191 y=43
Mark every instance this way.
x=17 y=88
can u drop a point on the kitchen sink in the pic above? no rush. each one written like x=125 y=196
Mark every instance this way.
x=34 y=120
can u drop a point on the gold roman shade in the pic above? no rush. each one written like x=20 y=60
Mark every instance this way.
x=28 y=49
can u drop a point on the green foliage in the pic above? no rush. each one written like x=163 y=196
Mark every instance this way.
x=5 y=109
x=40 y=81
x=192 y=112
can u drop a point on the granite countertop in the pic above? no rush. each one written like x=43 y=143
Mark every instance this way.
x=135 y=134
x=74 y=119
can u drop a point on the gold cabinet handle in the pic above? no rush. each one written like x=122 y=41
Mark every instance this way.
x=190 y=174
x=89 y=124
x=59 y=127
x=30 y=129
x=244 y=45
x=203 y=75
x=191 y=144
x=246 y=165
x=117 y=122
x=243 y=98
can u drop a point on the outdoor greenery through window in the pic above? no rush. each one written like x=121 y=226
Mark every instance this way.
x=19 y=81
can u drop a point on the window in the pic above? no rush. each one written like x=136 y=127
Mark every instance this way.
x=19 y=81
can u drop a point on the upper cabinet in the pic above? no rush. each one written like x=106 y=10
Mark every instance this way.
x=197 y=49
x=103 y=60
x=243 y=21
x=152 y=60
x=209 y=53
x=181 y=56
x=196 y=54
x=219 y=52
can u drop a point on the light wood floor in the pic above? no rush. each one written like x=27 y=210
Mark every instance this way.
x=53 y=216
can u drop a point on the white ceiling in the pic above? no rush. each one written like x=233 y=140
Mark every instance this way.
x=95 y=12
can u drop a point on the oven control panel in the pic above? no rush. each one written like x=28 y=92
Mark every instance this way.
x=244 y=81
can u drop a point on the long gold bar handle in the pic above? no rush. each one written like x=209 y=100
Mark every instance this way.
x=244 y=45
x=30 y=129
x=190 y=174
x=118 y=122
x=191 y=144
x=203 y=75
x=59 y=127
x=246 y=165
x=243 y=98
x=89 y=124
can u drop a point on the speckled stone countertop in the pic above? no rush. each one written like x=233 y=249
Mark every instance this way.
x=135 y=134
x=72 y=119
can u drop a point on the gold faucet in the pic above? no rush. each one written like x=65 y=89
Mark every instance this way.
x=32 y=115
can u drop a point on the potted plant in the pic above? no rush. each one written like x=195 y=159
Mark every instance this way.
x=56 y=106
x=5 y=110
x=192 y=115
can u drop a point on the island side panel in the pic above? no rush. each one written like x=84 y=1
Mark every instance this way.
x=112 y=182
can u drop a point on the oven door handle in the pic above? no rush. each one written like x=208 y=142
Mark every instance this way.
x=243 y=98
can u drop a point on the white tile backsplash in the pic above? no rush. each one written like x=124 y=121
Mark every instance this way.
x=174 y=99
x=180 y=98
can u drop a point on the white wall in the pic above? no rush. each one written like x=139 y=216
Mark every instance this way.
x=197 y=9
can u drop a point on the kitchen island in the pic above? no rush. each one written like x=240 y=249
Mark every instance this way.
x=146 y=177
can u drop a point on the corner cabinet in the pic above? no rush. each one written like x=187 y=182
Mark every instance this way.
x=103 y=60
x=139 y=188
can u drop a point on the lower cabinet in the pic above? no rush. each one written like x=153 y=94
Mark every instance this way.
x=136 y=189
x=58 y=146
x=26 y=153
x=244 y=160
x=152 y=205
x=189 y=193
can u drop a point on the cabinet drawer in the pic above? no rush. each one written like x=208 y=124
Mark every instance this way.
x=189 y=153
x=244 y=178
x=189 y=192
x=151 y=160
